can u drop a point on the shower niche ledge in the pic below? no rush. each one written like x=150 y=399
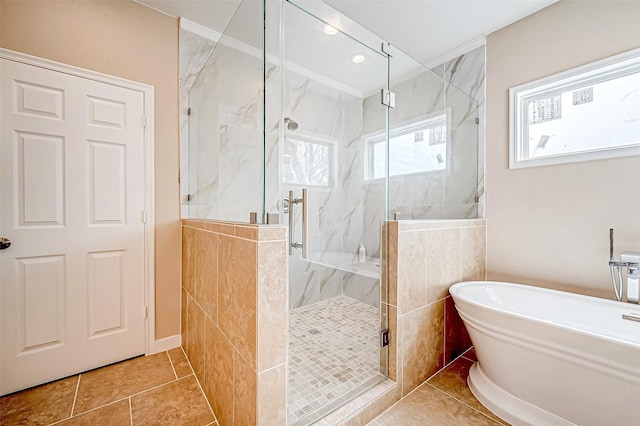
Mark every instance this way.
x=347 y=262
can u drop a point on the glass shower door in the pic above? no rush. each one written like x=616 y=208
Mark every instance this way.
x=334 y=286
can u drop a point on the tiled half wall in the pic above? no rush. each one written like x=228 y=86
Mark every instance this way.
x=234 y=310
x=425 y=258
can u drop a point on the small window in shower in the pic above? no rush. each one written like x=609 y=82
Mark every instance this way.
x=415 y=148
x=587 y=113
x=308 y=162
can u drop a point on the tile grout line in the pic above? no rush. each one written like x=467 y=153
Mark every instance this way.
x=442 y=299
x=153 y=388
x=188 y=362
x=215 y=419
x=75 y=397
x=119 y=400
x=398 y=401
x=204 y=361
x=130 y=412
x=137 y=393
x=232 y=235
x=205 y=397
x=272 y=368
x=464 y=403
x=86 y=412
x=172 y=367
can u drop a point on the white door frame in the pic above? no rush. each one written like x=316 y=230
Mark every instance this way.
x=149 y=226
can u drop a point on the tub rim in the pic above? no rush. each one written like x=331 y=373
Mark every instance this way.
x=455 y=289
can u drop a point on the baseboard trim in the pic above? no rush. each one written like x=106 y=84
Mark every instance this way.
x=165 y=344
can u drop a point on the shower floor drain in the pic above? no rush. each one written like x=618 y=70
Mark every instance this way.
x=313 y=331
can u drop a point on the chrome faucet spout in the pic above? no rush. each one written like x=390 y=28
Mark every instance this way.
x=631 y=262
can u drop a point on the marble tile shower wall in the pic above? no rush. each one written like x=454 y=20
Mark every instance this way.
x=328 y=115
x=425 y=258
x=234 y=318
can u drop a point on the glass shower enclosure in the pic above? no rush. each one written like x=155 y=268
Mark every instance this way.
x=334 y=281
x=303 y=117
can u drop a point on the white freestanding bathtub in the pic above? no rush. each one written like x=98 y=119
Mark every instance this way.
x=547 y=357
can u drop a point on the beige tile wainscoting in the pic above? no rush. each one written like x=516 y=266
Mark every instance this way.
x=424 y=259
x=234 y=312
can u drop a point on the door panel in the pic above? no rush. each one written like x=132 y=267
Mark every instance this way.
x=40 y=101
x=106 y=292
x=40 y=183
x=72 y=202
x=40 y=302
x=107 y=190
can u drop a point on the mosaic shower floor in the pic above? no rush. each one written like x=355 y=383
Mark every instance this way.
x=333 y=356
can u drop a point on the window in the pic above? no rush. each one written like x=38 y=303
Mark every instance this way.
x=308 y=162
x=587 y=113
x=419 y=147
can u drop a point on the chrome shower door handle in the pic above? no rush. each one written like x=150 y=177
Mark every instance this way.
x=305 y=224
x=290 y=203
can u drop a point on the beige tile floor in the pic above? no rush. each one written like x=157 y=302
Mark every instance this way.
x=159 y=389
x=444 y=399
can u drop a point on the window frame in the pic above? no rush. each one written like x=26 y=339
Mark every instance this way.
x=607 y=69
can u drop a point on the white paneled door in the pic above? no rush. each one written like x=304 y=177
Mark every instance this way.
x=72 y=205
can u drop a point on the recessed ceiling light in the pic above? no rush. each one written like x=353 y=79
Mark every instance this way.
x=328 y=29
x=358 y=58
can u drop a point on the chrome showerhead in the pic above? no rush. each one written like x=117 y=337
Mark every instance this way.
x=291 y=125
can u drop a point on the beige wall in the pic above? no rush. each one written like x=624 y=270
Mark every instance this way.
x=549 y=225
x=124 y=39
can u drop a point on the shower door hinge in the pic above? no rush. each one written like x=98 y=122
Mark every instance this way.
x=477 y=199
x=189 y=111
x=477 y=120
x=385 y=338
x=145 y=312
x=388 y=98
x=386 y=49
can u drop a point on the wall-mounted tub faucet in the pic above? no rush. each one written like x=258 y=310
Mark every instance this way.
x=633 y=275
x=630 y=261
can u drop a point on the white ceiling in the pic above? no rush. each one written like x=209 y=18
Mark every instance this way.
x=427 y=30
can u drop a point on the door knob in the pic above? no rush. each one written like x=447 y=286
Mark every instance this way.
x=4 y=243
